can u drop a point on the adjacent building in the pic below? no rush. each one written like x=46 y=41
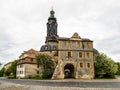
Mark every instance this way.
x=27 y=65
x=6 y=66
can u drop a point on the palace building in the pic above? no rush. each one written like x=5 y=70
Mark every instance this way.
x=73 y=56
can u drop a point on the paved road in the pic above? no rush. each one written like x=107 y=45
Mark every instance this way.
x=68 y=83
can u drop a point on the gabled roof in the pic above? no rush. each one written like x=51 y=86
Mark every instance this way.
x=76 y=36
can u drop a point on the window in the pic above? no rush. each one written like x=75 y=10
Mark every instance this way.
x=37 y=66
x=66 y=43
x=80 y=44
x=69 y=54
x=46 y=48
x=21 y=66
x=88 y=65
x=80 y=54
x=37 y=72
x=77 y=43
x=88 y=55
x=70 y=43
x=88 y=45
x=81 y=65
x=31 y=60
x=21 y=72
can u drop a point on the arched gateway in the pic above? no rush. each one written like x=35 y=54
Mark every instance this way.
x=69 y=71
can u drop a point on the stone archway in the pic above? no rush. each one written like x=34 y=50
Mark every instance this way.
x=69 y=71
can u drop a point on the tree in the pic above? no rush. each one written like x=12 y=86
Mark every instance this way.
x=118 y=72
x=105 y=67
x=2 y=72
x=12 y=69
x=7 y=72
x=46 y=62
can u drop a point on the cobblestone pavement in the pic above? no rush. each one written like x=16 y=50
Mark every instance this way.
x=11 y=85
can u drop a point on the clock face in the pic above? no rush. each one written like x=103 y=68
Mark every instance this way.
x=50 y=22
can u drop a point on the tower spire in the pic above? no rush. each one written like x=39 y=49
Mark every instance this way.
x=52 y=28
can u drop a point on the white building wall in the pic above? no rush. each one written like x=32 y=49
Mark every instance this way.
x=20 y=71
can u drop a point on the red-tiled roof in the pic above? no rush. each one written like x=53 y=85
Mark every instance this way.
x=28 y=60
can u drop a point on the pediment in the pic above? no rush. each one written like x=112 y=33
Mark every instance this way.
x=75 y=36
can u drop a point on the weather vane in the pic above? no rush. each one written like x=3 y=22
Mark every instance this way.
x=51 y=7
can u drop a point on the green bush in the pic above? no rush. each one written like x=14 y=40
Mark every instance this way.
x=47 y=73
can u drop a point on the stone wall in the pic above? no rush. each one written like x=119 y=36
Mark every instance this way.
x=31 y=70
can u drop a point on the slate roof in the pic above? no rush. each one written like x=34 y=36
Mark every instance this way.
x=48 y=47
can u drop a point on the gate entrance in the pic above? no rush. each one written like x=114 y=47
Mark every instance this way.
x=69 y=71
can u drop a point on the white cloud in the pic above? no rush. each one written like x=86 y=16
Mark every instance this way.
x=23 y=24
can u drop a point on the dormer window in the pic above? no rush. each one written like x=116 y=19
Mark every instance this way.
x=46 y=48
x=31 y=60
x=54 y=47
x=75 y=35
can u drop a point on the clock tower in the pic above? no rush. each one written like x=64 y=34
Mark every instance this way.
x=52 y=28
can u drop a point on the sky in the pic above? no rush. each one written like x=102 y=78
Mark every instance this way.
x=23 y=24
